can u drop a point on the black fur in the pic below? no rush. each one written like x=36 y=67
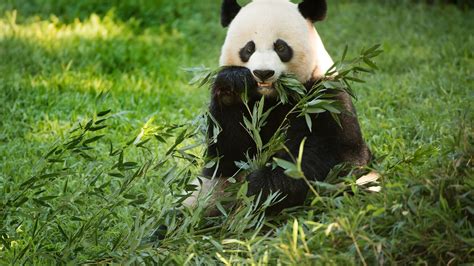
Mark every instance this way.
x=247 y=51
x=326 y=146
x=229 y=9
x=283 y=50
x=314 y=10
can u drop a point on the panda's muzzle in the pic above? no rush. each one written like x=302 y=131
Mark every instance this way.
x=264 y=85
x=265 y=88
x=263 y=75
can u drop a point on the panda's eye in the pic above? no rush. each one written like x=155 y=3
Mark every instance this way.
x=247 y=51
x=279 y=48
x=283 y=50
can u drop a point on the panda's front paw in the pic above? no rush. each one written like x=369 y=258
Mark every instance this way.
x=259 y=181
x=230 y=83
x=226 y=96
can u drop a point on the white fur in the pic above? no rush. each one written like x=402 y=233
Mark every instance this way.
x=265 y=21
x=208 y=193
x=266 y=59
x=201 y=191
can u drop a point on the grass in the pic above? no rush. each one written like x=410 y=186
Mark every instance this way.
x=102 y=193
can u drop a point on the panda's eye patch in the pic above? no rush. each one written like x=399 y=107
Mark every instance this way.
x=283 y=50
x=247 y=51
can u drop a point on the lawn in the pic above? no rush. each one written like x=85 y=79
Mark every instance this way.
x=80 y=184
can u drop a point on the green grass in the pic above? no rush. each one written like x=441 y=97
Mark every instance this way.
x=61 y=63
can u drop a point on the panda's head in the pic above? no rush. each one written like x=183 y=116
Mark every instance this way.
x=273 y=37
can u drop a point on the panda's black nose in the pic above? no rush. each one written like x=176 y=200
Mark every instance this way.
x=264 y=74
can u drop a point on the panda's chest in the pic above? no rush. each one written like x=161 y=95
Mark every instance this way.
x=274 y=122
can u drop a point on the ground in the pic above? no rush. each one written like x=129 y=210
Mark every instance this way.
x=97 y=194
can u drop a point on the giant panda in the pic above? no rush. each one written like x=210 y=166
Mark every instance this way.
x=265 y=39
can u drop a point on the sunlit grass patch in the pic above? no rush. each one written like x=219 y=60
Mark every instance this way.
x=102 y=45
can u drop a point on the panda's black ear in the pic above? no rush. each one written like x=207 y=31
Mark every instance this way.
x=314 y=10
x=229 y=10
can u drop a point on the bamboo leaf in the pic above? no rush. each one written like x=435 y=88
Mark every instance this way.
x=309 y=122
x=93 y=139
x=104 y=113
x=370 y=63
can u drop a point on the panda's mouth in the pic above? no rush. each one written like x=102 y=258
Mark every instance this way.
x=265 y=88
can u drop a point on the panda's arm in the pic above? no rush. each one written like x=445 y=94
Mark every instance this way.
x=227 y=110
x=317 y=161
x=326 y=146
x=346 y=141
